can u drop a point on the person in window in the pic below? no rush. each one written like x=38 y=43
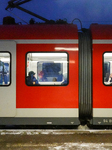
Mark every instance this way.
x=41 y=77
x=110 y=79
x=5 y=73
x=60 y=76
x=1 y=72
x=31 y=80
x=54 y=80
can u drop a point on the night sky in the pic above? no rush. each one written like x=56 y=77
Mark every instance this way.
x=88 y=11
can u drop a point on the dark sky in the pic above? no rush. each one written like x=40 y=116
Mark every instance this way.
x=88 y=11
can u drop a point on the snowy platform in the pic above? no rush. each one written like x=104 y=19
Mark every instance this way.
x=55 y=139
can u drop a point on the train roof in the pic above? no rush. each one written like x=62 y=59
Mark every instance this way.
x=101 y=31
x=38 y=31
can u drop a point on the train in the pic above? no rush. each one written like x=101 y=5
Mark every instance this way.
x=53 y=74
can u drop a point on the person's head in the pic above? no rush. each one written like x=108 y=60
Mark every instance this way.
x=41 y=73
x=31 y=73
x=54 y=79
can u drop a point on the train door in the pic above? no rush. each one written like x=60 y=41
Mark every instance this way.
x=7 y=78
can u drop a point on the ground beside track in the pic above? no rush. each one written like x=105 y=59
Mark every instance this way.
x=55 y=139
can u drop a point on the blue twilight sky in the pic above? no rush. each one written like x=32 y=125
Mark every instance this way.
x=88 y=11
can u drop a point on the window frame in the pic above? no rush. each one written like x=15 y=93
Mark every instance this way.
x=104 y=71
x=47 y=84
x=10 y=75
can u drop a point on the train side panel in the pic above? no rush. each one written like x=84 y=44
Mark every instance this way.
x=63 y=98
x=56 y=96
x=102 y=44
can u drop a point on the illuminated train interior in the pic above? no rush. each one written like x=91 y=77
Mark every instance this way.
x=54 y=71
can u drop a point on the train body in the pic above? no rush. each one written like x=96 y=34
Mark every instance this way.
x=54 y=75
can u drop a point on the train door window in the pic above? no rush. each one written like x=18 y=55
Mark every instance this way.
x=107 y=68
x=4 y=68
x=47 y=68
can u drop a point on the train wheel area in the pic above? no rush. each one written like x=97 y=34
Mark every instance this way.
x=83 y=127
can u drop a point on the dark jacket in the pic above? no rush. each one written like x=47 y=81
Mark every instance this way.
x=31 y=80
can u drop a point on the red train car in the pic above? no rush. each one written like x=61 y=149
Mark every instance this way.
x=55 y=75
x=50 y=52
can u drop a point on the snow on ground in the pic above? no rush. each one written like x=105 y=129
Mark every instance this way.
x=82 y=146
x=58 y=132
x=63 y=146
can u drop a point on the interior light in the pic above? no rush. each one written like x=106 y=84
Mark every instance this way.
x=107 y=54
x=49 y=54
x=61 y=61
x=5 y=59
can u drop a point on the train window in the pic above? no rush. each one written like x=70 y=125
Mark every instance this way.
x=107 y=68
x=4 y=68
x=47 y=68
